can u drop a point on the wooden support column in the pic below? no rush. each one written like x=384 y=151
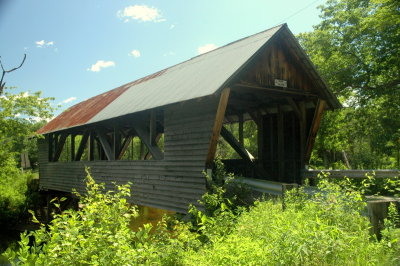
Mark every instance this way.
x=73 y=147
x=281 y=147
x=144 y=134
x=51 y=146
x=303 y=123
x=125 y=146
x=319 y=109
x=142 y=154
x=82 y=146
x=59 y=147
x=91 y=146
x=219 y=119
x=230 y=138
x=241 y=139
x=152 y=127
x=117 y=142
x=260 y=137
x=108 y=150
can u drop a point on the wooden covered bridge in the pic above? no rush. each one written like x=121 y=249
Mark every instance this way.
x=179 y=114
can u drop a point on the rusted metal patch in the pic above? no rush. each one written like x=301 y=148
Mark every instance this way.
x=82 y=112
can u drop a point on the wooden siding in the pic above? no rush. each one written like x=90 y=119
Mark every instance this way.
x=172 y=183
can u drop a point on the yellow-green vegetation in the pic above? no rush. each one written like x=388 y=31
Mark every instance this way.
x=327 y=228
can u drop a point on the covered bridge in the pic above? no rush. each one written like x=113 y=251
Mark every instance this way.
x=179 y=114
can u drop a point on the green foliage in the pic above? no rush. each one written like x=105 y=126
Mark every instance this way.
x=225 y=199
x=96 y=234
x=15 y=195
x=356 y=48
x=19 y=116
x=326 y=229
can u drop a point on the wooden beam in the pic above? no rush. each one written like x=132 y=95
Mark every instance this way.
x=256 y=116
x=260 y=136
x=51 y=146
x=219 y=119
x=319 y=110
x=281 y=145
x=147 y=156
x=152 y=128
x=125 y=146
x=91 y=146
x=295 y=108
x=279 y=91
x=144 y=134
x=81 y=147
x=59 y=147
x=230 y=138
x=302 y=125
x=73 y=146
x=108 y=150
x=116 y=142
x=241 y=139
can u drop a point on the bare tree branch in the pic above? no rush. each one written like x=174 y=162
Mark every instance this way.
x=3 y=84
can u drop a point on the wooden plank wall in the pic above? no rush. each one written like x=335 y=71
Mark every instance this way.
x=169 y=184
x=282 y=152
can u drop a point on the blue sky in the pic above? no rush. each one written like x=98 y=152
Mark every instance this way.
x=78 y=49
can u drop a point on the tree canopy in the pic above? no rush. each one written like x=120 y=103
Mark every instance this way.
x=356 y=48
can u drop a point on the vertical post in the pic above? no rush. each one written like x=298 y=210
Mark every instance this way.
x=302 y=125
x=91 y=146
x=241 y=139
x=281 y=155
x=377 y=212
x=117 y=142
x=219 y=120
x=73 y=147
x=51 y=147
x=260 y=138
x=152 y=127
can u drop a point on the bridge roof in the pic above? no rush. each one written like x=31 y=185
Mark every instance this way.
x=197 y=77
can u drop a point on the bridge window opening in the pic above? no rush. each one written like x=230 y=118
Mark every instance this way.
x=237 y=146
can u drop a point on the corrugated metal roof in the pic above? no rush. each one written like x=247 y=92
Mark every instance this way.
x=200 y=76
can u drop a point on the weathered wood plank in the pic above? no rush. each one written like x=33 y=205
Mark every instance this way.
x=314 y=128
x=219 y=119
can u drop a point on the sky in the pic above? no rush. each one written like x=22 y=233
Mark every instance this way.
x=78 y=49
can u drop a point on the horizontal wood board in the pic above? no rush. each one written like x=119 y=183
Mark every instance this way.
x=171 y=184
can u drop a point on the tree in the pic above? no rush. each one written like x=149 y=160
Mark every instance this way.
x=356 y=48
x=20 y=116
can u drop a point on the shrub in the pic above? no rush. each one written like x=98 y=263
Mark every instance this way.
x=96 y=234
x=326 y=229
x=14 y=193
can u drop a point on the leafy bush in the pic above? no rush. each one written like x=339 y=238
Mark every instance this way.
x=14 y=192
x=98 y=233
x=324 y=229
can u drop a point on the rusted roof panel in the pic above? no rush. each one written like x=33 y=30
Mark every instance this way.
x=82 y=112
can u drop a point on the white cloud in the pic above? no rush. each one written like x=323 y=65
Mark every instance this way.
x=68 y=100
x=141 y=13
x=172 y=26
x=135 y=53
x=206 y=48
x=170 y=53
x=43 y=43
x=101 y=64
